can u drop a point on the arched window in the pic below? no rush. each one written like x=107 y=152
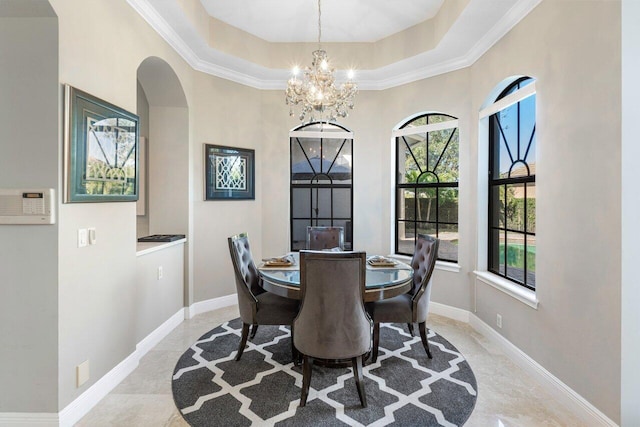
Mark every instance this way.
x=321 y=180
x=427 y=149
x=512 y=186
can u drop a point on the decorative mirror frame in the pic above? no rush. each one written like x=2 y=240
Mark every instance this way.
x=229 y=173
x=115 y=165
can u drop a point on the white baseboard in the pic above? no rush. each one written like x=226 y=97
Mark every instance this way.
x=212 y=304
x=87 y=400
x=161 y=331
x=77 y=409
x=23 y=419
x=448 y=311
x=559 y=390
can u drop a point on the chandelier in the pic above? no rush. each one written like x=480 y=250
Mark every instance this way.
x=316 y=93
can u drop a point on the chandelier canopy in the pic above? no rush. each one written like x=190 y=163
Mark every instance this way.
x=316 y=93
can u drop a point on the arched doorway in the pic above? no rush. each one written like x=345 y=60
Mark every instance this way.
x=164 y=130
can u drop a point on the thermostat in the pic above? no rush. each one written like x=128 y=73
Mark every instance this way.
x=27 y=206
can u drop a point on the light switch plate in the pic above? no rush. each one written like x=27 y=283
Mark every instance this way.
x=92 y=235
x=83 y=237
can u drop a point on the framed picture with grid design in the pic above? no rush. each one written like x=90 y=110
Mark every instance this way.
x=229 y=173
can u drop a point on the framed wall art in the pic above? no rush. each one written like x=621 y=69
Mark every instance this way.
x=229 y=173
x=101 y=150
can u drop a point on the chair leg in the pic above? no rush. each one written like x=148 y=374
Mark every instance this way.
x=306 y=378
x=254 y=329
x=425 y=341
x=357 y=374
x=410 y=327
x=295 y=354
x=376 y=342
x=243 y=340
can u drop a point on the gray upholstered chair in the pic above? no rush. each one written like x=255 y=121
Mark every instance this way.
x=319 y=238
x=413 y=306
x=332 y=323
x=257 y=307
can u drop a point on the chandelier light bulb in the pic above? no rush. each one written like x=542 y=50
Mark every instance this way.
x=351 y=74
x=295 y=71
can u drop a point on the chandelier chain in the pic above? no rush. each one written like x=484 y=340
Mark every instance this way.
x=319 y=23
x=316 y=93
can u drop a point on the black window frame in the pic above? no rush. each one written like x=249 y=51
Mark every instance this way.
x=312 y=186
x=494 y=181
x=400 y=141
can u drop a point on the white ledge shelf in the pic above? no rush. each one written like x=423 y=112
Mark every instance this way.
x=144 y=248
x=440 y=265
x=525 y=296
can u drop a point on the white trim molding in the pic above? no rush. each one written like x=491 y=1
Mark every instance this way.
x=326 y=135
x=211 y=304
x=591 y=415
x=509 y=100
x=440 y=265
x=83 y=404
x=414 y=130
x=26 y=419
x=482 y=274
x=446 y=57
x=77 y=409
x=518 y=292
x=449 y=311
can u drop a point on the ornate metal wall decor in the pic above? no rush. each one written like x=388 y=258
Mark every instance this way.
x=229 y=173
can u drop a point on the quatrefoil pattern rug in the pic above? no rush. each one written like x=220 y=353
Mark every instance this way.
x=404 y=387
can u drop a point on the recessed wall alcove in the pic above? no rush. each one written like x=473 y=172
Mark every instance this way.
x=164 y=124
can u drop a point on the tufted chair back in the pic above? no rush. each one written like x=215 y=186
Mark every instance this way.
x=332 y=322
x=246 y=275
x=319 y=238
x=423 y=263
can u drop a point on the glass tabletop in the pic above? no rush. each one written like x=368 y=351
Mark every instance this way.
x=378 y=279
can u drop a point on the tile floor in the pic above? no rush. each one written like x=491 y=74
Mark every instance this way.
x=507 y=396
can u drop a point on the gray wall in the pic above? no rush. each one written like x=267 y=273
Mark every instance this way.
x=572 y=48
x=630 y=212
x=142 y=110
x=98 y=294
x=158 y=299
x=29 y=158
x=575 y=57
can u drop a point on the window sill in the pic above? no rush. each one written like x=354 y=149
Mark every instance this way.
x=440 y=265
x=525 y=296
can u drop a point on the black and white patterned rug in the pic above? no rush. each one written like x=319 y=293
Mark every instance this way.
x=404 y=387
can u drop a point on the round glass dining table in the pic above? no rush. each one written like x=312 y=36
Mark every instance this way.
x=381 y=282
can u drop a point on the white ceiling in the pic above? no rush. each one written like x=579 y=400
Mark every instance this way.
x=478 y=27
x=342 y=20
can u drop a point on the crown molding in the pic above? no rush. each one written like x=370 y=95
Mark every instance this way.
x=521 y=9
x=213 y=62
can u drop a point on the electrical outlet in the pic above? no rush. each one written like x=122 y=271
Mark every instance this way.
x=499 y=320
x=82 y=373
x=160 y=272
x=83 y=237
